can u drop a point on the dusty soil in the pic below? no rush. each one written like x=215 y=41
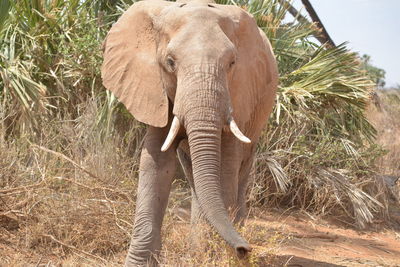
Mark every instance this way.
x=301 y=241
x=312 y=243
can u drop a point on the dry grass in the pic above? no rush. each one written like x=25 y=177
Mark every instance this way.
x=384 y=114
x=68 y=198
x=70 y=193
x=200 y=246
x=322 y=177
x=68 y=174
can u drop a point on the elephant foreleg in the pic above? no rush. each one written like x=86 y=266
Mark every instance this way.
x=245 y=179
x=156 y=174
x=231 y=150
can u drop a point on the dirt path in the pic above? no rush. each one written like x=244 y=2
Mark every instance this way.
x=319 y=244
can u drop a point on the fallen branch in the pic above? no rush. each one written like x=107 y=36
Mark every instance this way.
x=58 y=154
x=20 y=188
x=74 y=248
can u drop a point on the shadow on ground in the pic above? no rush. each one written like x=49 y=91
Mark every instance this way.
x=294 y=261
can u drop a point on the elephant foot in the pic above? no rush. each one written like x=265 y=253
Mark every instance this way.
x=240 y=218
x=144 y=247
x=130 y=262
x=143 y=257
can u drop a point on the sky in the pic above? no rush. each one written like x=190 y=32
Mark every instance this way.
x=369 y=26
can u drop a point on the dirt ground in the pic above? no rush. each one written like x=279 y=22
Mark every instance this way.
x=302 y=241
x=312 y=243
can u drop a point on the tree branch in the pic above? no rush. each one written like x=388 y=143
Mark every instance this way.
x=325 y=38
x=321 y=35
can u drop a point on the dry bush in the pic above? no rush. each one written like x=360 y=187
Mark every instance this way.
x=319 y=174
x=353 y=181
x=68 y=198
x=69 y=192
x=384 y=114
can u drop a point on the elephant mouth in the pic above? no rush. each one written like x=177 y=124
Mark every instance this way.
x=176 y=125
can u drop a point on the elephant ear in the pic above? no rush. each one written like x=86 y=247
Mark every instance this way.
x=130 y=69
x=254 y=81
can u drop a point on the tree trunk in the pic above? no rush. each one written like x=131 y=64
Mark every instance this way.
x=322 y=35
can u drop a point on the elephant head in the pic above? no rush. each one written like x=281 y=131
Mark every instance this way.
x=205 y=67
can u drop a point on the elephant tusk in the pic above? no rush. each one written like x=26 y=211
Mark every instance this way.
x=173 y=131
x=235 y=130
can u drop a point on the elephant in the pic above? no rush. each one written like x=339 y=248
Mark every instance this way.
x=203 y=77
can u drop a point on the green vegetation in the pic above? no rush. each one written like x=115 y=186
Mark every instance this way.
x=69 y=151
x=376 y=74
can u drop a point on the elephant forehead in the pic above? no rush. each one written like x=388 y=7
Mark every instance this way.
x=196 y=14
x=196 y=1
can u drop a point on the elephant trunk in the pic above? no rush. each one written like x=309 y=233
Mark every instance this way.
x=203 y=122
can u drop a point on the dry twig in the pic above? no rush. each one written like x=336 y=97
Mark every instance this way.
x=74 y=248
x=58 y=154
x=20 y=189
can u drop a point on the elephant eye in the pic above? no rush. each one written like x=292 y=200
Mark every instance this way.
x=232 y=63
x=171 y=63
